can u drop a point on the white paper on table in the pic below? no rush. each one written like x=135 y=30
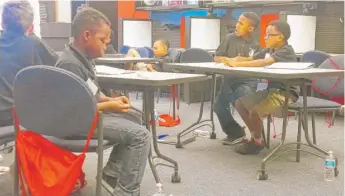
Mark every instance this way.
x=295 y=65
x=102 y=69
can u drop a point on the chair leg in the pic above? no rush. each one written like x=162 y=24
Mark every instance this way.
x=299 y=135
x=100 y=156
x=333 y=117
x=268 y=131
x=264 y=135
x=313 y=127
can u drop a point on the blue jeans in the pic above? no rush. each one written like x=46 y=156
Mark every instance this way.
x=227 y=95
x=128 y=158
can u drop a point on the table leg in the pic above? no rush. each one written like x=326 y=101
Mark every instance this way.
x=150 y=102
x=303 y=115
x=199 y=122
x=213 y=90
x=173 y=92
x=147 y=123
x=262 y=175
x=305 y=120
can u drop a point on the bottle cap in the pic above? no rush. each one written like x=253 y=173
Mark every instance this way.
x=159 y=185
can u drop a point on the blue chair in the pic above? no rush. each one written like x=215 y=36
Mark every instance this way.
x=143 y=51
x=315 y=56
x=124 y=49
x=151 y=53
x=54 y=114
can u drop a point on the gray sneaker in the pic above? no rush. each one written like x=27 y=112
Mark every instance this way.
x=234 y=139
x=228 y=141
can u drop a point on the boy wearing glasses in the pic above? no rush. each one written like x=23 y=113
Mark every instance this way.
x=254 y=108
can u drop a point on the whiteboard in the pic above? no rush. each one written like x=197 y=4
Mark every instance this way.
x=303 y=30
x=137 y=33
x=205 y=33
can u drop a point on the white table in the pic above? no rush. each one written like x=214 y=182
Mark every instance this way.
x=287 y=77
x=114 y=60
x=148 y=82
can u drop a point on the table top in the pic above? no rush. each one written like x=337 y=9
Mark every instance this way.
x=256 y=72
x=332 y=54
x=144 y=78
x=115 y=60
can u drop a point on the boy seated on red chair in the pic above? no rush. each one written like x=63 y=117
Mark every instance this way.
x=125 y=168
x=19 y=48
x=254 y=108
x=160 y=50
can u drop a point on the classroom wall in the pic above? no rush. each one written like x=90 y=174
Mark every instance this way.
x=126 y=10
x=329 y=30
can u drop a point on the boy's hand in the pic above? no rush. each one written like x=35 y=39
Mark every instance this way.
x=118 y=106
x=123 y=99
x=218 y=59
x=149 y=67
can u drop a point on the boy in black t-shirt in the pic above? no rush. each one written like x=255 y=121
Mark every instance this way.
x=255 y=107
x=125 y=168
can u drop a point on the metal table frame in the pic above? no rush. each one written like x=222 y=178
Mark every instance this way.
x=148 y=88
x=288 y=81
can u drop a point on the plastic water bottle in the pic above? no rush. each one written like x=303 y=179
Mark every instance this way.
x=156 y=118
x=329 y=166
x=201 y=133
x=159 y=192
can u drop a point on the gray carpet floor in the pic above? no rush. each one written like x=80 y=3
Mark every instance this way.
x=208 y=168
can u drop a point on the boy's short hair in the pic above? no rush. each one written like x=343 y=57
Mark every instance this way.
x=165 y=42
x=283 y=27
x=88 y=19
x=253 y=17
x=17 y=15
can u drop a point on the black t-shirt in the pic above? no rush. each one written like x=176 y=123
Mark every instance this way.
x=76 y=62
x=161 y=61
x=18 y=51
x=233 y=46
x=284 y=54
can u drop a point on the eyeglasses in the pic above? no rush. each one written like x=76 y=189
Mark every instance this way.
x=271 y=35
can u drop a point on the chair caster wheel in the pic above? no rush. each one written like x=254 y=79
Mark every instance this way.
x=213 y=136
x=175 y=178
x=336 y=172
x=261 y=175
x=178 y=145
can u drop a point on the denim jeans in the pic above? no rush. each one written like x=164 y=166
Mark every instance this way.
x=128 y=158
x=227 y=95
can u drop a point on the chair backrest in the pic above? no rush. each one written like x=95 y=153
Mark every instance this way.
x=331 y=86
x=315 y=56
x=196 y=55
x=175 y=54
x=150 y=50
x=143 y=51
x=53 y=101
x=124 y=49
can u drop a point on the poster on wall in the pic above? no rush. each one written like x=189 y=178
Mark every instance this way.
x=137 y=33
x=303 y=30
x=205 y=33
